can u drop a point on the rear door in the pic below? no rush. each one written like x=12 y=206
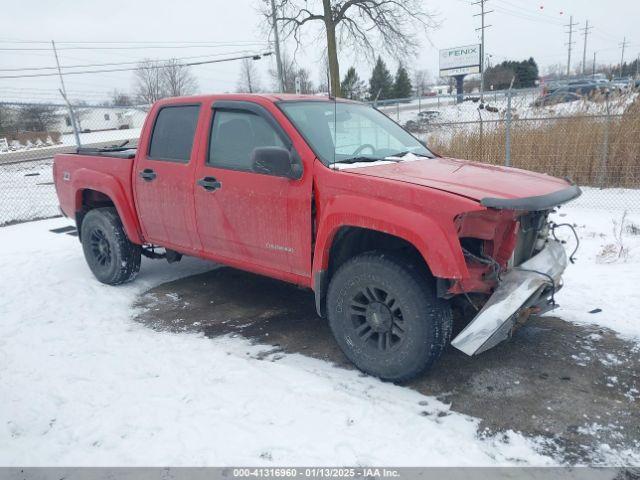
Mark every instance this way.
x=164 y=179
x=242 y=215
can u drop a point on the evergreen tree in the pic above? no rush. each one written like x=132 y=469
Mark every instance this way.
x=381 y=82
x=525 y=72
x=352 y=87
x=402 y=84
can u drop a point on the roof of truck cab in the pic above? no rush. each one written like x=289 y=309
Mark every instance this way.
x=272 y=97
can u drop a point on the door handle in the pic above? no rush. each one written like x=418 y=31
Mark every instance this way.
x=148 y=175
x=209 y=183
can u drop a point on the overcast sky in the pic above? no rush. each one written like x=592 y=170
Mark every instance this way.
x=520 y=29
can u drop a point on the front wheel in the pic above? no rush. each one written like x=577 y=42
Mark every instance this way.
x=385 y=316
x=111 y=256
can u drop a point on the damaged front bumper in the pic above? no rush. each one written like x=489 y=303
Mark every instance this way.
x=522 y=287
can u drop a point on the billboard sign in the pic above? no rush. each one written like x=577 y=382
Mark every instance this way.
x=460 y=60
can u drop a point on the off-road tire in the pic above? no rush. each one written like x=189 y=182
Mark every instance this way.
x=420 y=323
x=112 y=258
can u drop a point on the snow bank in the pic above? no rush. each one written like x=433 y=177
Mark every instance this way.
x=600 y=279
x=82 y=384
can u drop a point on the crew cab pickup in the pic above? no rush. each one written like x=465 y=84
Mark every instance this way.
x=334 y=196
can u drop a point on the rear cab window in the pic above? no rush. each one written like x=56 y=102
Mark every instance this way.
x=173 y=133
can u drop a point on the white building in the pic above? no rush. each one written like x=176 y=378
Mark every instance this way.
x=95 y=119
x=440 y=89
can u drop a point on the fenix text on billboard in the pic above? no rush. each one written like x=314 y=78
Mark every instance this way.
x=460 y=60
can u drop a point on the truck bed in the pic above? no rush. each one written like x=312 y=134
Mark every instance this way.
x=102 y=171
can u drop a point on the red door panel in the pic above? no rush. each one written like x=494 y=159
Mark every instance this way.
x=164 y=181
x=248 y=219
x=165 y=204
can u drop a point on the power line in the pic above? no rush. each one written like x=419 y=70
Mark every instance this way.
x=624 y=44
x=134 y=42
x=276 y=35
x=120 y=63
x=570 y=43
x=534 y=17
x=585 y=31
x=255 y=56
x=145 y=47
x=482 y=28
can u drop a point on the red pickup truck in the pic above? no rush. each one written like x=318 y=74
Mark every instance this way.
x=334 y=196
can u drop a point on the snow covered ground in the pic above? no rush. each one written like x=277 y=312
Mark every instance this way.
x=83 y=384
x=607 y=270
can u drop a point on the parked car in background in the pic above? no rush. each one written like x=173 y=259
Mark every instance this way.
x=554 y=98
x=428 y=115
x=623 y=84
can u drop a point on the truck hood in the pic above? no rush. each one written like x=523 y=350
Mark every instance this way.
x=473 y=180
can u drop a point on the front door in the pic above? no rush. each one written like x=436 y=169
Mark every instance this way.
x=242 y=215
x=164 y=180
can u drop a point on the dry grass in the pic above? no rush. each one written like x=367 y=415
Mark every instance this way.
x=565 y=147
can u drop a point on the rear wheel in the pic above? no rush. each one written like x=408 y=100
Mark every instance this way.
x=386 y=317
x=112 y=258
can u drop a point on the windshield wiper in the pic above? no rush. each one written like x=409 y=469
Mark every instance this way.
x=406 y=152
x=360 y=159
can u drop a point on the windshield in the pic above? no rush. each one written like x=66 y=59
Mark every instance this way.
x=350 y=132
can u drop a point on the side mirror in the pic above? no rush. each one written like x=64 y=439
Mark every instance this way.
x=275 y=161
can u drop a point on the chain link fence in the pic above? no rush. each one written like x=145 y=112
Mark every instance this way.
x=30 y=134
x=593 y=141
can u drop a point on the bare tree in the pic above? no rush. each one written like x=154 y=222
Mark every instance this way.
x=38 y=118
x=120 y=99
x=290 y=73
x=353 y=23
x=249 y=81
x=7 y=120
x=324 y=78
x=177 y=79
x=149 y=84
x=303 y=78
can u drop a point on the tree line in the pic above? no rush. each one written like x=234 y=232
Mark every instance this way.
x=381 y=85
x=523 y=73
x=28 y=118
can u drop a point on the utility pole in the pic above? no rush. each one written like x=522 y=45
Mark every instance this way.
x=570 y=44
x=623 y=45
x=63 y=92
x=593 y=73
x=482 y=28
x=584 y=49
x=276 y=36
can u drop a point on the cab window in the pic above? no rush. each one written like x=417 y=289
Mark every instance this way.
x=173 y=133
x=234 y=136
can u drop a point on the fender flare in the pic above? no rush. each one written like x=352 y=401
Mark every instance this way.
x=86 y=179
x=436 y=242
